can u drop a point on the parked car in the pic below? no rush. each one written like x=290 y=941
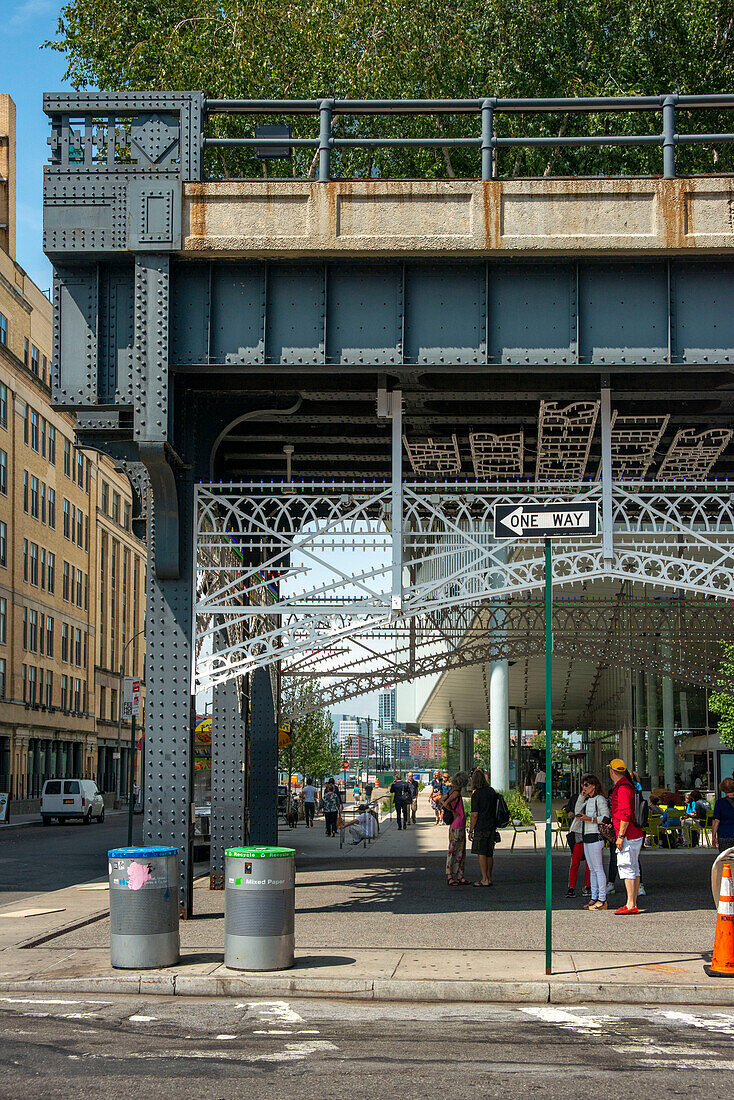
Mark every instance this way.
x=71 y=798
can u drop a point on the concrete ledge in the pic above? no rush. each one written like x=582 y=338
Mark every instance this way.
x=418 y=992
x=258 y=218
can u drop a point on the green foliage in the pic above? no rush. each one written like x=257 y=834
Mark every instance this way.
x=561 y=745
x=721 y=701
x=518 y=807
x=314 y=748
x=418 y=48
x=481 y=749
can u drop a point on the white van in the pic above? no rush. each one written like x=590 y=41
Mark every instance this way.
x=67 y=798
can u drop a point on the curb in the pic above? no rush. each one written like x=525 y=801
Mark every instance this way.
x=381 y=989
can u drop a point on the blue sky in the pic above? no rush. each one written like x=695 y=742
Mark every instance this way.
x=28 y=72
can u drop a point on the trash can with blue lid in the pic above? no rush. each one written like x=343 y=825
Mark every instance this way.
x=143 y=907
x=259 y=908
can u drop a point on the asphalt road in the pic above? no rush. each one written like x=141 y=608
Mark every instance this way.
x=218 y=1049
x=35 y=858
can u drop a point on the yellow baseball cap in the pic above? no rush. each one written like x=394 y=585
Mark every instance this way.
x=618 y=765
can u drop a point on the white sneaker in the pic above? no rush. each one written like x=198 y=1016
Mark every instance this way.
x=611 y=889
x=641 y=892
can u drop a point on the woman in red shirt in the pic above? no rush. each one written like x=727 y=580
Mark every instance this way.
x=629 y=835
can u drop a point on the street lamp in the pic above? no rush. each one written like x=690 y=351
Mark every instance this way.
x=118 y=762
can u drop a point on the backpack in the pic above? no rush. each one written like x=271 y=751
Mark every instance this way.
x=501 y=812
x=642 y=811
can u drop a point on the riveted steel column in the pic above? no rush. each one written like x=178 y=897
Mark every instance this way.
x=263 y=761
x=607 y=524
x=228 y=788
x=170 y=711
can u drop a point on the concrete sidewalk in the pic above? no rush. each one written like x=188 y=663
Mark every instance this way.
x=380 y=924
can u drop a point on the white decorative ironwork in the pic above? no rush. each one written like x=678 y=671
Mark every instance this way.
x=434 y=458
x=278 y=578
x=692 y=454
x=497 y=457
x=564 y=440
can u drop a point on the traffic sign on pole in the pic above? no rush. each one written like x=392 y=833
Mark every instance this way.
x=130 y=698
x=545 y=521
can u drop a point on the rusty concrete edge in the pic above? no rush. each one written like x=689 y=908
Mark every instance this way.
x=410 y=991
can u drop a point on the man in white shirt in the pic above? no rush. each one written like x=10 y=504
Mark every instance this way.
x=364 y=825
x=309 y=803
x=540 y=784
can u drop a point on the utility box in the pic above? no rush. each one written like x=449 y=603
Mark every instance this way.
x=259 y=908
x=143 y=907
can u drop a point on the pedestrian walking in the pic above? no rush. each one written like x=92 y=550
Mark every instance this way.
x=483 y=824
x=436 y=795
x=528 y=784
x=414 y=802
x=308 y=794
x=407 y=800
x=399 y=791
x=629 y=835
x=576 y=844
x=594 y=812
x=453 y=808
x=722 y=830
x=331 y=808
x=540 y=784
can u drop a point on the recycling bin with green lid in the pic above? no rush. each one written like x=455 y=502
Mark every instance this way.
x=143 y=907
x=259 y=908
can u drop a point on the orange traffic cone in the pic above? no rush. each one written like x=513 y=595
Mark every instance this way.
x=722 y=963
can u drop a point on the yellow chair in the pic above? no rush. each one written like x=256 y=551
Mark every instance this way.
x=559 y=828
x=518 y=827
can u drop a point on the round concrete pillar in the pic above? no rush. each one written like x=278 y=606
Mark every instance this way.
x=499 y=725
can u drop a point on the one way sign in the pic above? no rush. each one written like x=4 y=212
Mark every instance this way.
x=542 y=521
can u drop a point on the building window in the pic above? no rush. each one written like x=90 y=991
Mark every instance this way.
x=116 y=507
x=77 y=696
x=3 y=676
x=43 y=503
x=33 y=631
x=43 y=437
x=52 y=444
x=43 y=568
x=26 y=351
x=103 y=703
x=113 y=704
x=3 y=330
x=51 y=572
x=65 y=582
x=79 y=588
x=25 y=424
x=67 y=458
x=105 y=498
x=4 y=545
x=49 y=688
x=34 y=430
x=52 y=507
x=49 y=636
x=3 y=621
x=79 y=527
x=44 y=369
x=25 y=628
x=65 y=643
x=3 y=473
x=34 y=497
x=126 y=513
x=67 y=519
x=80 y=469
x=31 y=685
x=25 y=490
x=78 y=648
x=25 y=559
x=35 y=361
x=64 y=692
x=34 y=564
x=3 y=403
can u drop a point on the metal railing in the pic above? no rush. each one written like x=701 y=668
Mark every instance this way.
x=166 y=132
x=367 y=839
x=486 y=110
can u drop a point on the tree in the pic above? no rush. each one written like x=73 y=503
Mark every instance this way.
x=561 y=745
x=481 y=749
x=314 y=749
x=721 y=701
x=419 y=49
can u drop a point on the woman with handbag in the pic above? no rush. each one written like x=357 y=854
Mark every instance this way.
x=575 y=842
x=454 y=816
x=596 y=819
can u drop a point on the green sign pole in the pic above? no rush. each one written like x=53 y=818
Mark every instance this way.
x=548 y=758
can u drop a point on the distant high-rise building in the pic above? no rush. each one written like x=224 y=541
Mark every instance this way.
x=355 y=737
x=386 y=709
